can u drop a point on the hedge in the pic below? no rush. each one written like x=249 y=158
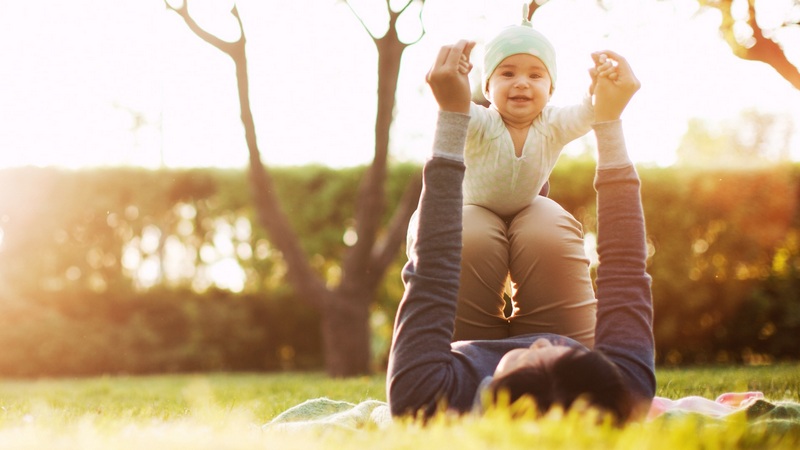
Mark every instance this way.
x=724 y=260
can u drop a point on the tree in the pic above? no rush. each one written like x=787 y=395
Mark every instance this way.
x=344 y=308
x=749 y=39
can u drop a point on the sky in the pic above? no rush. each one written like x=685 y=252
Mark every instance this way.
x=90 y=83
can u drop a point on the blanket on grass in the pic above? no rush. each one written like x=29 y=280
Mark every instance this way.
x=780 y=417
x=324 y=413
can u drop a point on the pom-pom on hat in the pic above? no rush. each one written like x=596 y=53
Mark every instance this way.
x=518 y=39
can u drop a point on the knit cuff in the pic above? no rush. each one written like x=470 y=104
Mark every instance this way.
x=451 y=135
x=611 y=150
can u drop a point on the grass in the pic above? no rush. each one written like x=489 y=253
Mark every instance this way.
x=225 y=411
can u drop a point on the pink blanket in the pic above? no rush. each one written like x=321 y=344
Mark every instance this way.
x=724 y=405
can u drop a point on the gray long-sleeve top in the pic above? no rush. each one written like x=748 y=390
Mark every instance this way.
x=426 y=369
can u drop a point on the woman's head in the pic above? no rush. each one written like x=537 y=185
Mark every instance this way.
x=559 y=376
x=541 y=353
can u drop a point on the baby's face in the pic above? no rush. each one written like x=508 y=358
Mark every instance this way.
x=519 y=88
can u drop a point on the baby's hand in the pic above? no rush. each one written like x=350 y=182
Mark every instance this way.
x=464 y=66
x=614 y=86
x=603 y=67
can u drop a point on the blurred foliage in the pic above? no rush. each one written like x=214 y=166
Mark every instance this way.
x=749 y=139
x=724 y=257
x=74 y=298
x=78 y=333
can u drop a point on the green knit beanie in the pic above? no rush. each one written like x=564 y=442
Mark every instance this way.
x=514 y=40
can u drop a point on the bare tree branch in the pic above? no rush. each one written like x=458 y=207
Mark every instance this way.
x=395 y=15
x=224 y=46
x=269 y=213
x=422 y=24
x=392 y=20
x=532 y=9
x=408 y=3
x=363 y=24
x=385 y=250
x=762 y=49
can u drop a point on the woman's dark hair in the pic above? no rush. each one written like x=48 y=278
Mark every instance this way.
x=577 y=374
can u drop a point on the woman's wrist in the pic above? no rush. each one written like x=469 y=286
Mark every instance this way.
x=611 y=149
x=451 y=135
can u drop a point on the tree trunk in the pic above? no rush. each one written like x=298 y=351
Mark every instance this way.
x=345 y=309
x=345 y=327
x=346 y=335
x=358 y=267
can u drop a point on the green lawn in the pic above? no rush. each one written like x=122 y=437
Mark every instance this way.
x=225 y=411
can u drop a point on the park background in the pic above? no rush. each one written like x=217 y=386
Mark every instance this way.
x=129 y=238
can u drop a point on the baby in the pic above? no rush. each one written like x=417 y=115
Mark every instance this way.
x=513 y=145
x=509 y=231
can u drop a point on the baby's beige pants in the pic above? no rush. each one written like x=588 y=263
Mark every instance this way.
x=541 y=250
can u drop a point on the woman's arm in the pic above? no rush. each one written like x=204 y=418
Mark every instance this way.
x=624 y=330
x=421 y=365
x=624 y=301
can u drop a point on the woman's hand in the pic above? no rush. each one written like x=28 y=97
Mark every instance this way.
x=449 y=77
x=615 y=85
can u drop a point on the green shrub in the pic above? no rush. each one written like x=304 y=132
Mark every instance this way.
x=724 y=261
x=157 y=331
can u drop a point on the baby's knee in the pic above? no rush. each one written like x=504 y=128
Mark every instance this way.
x=545 y=221
x=481 y=229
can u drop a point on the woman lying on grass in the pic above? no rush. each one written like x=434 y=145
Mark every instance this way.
x=426 y=371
